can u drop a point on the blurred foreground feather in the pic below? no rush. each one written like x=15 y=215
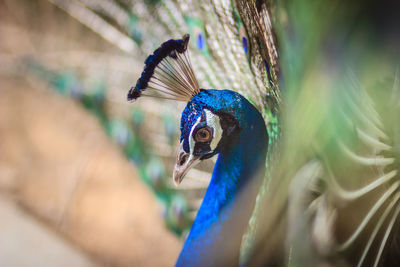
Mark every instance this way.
x=333 y=199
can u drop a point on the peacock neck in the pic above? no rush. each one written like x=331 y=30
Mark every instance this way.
x=224 y=213
x=232 y=171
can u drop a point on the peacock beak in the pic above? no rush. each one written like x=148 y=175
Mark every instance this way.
x=184 y=161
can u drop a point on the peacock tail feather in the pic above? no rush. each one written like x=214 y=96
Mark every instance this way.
x=333 y=195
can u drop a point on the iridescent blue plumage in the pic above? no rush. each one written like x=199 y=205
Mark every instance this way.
x=224 y=213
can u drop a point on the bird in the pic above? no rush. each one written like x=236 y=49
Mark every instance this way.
x=324 y=78
x=214 y=122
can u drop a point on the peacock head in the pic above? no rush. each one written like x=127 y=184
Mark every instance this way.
x=210 y=123
x=211 y=117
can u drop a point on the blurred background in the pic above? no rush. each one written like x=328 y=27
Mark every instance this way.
x=85 y=176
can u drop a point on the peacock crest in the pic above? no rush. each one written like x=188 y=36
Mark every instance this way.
x=168 y=73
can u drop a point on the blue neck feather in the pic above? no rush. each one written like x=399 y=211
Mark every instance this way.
x=216 y=234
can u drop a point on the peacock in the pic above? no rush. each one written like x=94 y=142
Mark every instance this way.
x=306 y=131
x=214 y=122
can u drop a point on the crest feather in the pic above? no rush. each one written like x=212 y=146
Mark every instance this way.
x=167 y=73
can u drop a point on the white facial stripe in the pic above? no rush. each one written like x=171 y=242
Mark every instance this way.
x=191 y=139
x=213 y=122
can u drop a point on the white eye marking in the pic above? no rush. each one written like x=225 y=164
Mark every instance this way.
x=213 y=122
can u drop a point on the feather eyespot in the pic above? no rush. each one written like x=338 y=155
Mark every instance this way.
x=200 y=40
x=245 y=40
x=245 y=45
x=203 y=135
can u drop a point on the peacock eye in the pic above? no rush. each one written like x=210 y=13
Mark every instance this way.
x=203 y=135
